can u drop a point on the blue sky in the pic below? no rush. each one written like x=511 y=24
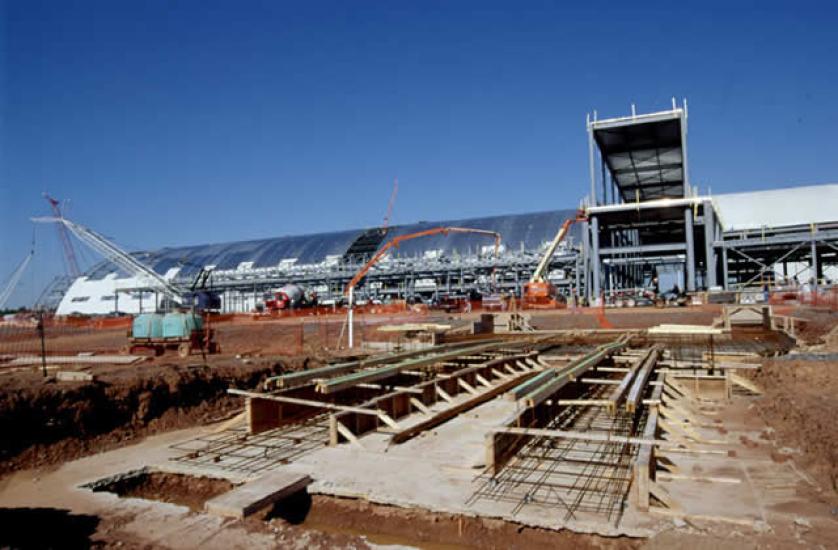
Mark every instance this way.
x=168 y=123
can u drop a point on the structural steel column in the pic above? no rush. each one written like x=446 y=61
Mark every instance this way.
x=586 y=263
x=688 y=229
x=591 y=162
x=724 y=267
x=595 y=267
x=814 y=263
x=709 y=250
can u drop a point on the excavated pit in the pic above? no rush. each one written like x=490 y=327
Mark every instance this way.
x=419 y=528
x=184 y=490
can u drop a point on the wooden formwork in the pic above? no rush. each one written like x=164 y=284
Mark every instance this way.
x=480 y=380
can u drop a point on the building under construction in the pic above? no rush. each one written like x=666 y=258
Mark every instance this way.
x=605 y=426
x=647 y=228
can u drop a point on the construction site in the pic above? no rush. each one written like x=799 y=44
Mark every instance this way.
x=647 y=366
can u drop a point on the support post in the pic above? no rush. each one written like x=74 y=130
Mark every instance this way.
x=709 y=250
x=591 y=161
x=350 y=316
x=724 y=268
x=595 y=267
x=586 y=269
x=814 y=264
x=690 y=267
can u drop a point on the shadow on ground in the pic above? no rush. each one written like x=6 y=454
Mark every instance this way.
x=45 y=528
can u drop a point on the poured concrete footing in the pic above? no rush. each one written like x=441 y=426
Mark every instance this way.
x=257 y=494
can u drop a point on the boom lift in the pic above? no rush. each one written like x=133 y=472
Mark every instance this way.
x=349 y=292
x=539 y=292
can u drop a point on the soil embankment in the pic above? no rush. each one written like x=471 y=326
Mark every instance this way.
x=800 y=405
x=44 y=422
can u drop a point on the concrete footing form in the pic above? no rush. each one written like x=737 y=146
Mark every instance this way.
x=602 y=440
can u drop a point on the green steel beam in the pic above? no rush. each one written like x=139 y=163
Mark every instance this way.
x=350 y=380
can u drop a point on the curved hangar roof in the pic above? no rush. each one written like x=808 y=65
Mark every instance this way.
x=527 y=231
x=775 y=208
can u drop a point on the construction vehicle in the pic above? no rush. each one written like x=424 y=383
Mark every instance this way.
x=291 y=296
x=349 y=291
x=540 y=293
x=201 y=295
x=185 y=329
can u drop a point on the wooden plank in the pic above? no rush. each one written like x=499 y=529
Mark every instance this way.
x=705 y=365
x=466 y=386
x=604 y=381
x=384 y=417
x=302 y=402
x=704 y=517
x=419 y=405
x=403 y=389
x=663 y=496
x=664 y=450
x=745 y=383
x=456 y=410
x=344 y=382
x=482 y=381
x=581 y=436
x=348 y=435
x=584 y=402
x=665 y=476
x=499 y=374
x=612 y=369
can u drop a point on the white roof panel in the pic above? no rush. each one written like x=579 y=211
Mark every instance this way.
x=778 y=207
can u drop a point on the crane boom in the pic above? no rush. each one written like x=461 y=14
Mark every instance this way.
x=390 y=204
x=396 y=241
x=14 y=279
x=118 y=257
x=541 y=270
x=67 y=245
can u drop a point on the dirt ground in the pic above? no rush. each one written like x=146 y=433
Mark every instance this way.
x=381 y=524
x=44 y=423
x=801 y=407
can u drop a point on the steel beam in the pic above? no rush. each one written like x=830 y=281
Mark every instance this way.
x=641 y=249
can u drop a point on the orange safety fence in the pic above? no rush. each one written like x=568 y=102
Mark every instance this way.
x=822 y=298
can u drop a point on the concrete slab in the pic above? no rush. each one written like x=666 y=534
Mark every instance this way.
x=257 y=494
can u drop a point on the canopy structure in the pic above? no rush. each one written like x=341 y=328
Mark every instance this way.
x=645 y=155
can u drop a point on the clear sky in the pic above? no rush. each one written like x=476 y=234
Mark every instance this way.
x=180 y=122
